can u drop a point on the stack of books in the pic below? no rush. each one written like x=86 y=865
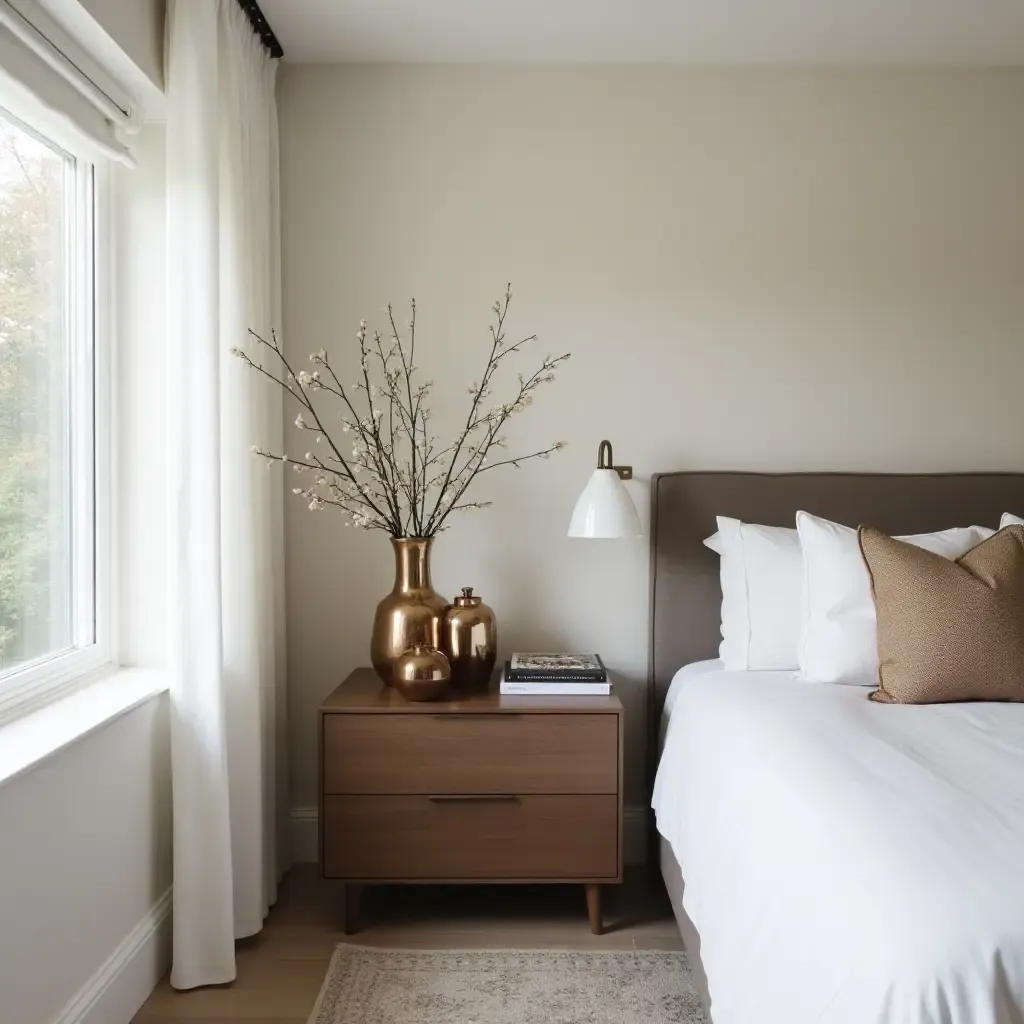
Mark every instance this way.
x=555 y=675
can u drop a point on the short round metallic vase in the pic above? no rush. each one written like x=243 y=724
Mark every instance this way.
x=469 y=636
x=421 y=673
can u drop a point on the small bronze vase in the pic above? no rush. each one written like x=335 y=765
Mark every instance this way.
x=411 y=613
x=469 y=637
x=421 y=673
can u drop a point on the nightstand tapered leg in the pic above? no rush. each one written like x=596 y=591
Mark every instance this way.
x=350 y=920
x=594 y=907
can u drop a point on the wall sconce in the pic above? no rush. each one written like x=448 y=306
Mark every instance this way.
x=605 y=509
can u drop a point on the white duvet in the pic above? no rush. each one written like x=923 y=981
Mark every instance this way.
x=847 y=862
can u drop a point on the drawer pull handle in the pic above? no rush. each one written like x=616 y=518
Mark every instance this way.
x=474 y=798
x=476 y=716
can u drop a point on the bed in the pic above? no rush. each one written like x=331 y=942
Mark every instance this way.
x=844 y=862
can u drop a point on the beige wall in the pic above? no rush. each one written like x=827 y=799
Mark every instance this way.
x=86 y=863
x=753 y=270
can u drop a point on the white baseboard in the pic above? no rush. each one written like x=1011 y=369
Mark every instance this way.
x=114 y=994
x=305 y=845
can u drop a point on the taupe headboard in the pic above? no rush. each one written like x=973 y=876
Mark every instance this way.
x=685 y=593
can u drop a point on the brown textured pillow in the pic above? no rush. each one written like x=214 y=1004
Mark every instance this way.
x=948 y=631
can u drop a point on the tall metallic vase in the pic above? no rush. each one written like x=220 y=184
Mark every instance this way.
x=411 y=613
x=470 y=640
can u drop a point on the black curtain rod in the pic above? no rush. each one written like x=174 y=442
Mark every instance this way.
x=261 y=27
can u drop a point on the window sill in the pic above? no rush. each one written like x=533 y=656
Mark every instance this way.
x=31 y=739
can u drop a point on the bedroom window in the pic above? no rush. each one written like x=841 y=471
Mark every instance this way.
x=50 y=612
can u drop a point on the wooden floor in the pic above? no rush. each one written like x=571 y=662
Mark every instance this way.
x=280 y=971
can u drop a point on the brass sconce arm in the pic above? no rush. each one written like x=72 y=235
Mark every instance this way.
x=605 y=460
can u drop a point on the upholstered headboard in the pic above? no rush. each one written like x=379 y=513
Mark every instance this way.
x=685 y=592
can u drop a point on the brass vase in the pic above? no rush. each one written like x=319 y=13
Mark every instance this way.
x=469 y=637
x=411 y=613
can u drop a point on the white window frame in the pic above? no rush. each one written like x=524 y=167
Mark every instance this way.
x=29 y=687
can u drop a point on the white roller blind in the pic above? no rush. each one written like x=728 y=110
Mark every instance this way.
x=48 y=81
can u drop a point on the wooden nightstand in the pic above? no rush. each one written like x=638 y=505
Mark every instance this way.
x=480 y=789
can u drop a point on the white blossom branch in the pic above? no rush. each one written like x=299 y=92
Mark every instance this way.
x=303 y=400
x=399 y=477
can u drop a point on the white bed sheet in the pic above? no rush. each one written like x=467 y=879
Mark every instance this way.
x=847 y=862
x=697 y=668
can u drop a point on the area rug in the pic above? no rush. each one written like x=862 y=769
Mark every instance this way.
x=388 y=986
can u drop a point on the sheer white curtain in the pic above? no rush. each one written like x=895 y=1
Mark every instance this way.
x=226 y=608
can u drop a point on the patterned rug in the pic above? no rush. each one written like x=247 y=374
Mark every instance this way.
x=388 y=986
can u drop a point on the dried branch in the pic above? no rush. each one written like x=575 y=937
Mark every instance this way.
x=395 y=462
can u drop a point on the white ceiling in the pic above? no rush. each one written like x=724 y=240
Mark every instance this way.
x=653 y=31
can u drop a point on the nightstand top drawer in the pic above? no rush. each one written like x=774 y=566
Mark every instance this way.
x=470 y=753
x=362 y=692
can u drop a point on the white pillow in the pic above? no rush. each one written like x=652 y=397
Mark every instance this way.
x=1009 y=519
x=838 y=642
x=762 y=584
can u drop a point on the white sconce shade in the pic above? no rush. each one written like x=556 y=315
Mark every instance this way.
x=604 y=509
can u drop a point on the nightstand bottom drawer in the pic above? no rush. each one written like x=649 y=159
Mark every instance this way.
x=423 y=838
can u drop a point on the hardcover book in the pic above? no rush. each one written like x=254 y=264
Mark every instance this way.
x=534 y=667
